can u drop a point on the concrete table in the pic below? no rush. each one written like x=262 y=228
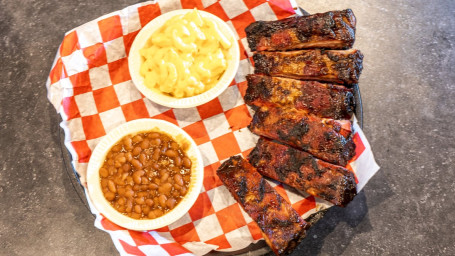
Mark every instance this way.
x=408 y=94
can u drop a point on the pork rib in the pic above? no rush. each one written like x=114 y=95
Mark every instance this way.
x=334 y=30
x=324 y=138
x=280 y=224
x=303 y=171
x=321 y=99
x=337 y=66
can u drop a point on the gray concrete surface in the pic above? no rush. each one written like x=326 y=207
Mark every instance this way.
x=408 y=92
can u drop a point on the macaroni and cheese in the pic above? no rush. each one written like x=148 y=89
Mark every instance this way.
x=186 y=56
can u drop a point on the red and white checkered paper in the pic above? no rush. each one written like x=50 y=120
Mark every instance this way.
x=91 y=88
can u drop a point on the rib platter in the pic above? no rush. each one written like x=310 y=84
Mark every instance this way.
x=281 y=226
x=334 y=30
x=337 y=66
x=321 y=99
x=324 y=138
x=303 y=171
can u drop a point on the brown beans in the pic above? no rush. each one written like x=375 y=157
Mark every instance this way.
x=149 y=202
x=142 y=194
x=145 y=175
x=165 y=189
x=153 y=135
x=162 y=200
x=127 y=142
x=104 y=172
x=137 y=176
x=137 y=209
x=118 y=181
x=151 y=215
x=129 y=156
x=153 y=186
x=142 y=158
x=174 y=145
x=171 y=153
x=139 y=200
x=121 y=208
x=129 y=180
x=137 y=138
x=112 y=170
x=136 y=151
x=186 y=162
x=178 y=161
x=120 y=158
x=156 y=154
x=109 y=195
x=183 y=191
x=164 y=177
x=186 y=178
x=129 y=193
x=136 y=215
x=158 y=213
x=121 y=201
x=175 y=193
x=156 y=142
x=178 y=179
x=146 y=210
x=126 y=167
x=145 y=181
x=155 y=214
x=170 y=203
x=104 y=183
x=145 y=144
x=129 y=205
x=136 y=164
x=121 y=191
x=111 y=186
x=117 y=148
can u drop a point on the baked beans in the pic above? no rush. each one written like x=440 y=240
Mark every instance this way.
x=145 y=175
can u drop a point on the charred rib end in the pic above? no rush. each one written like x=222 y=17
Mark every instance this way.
x=349 y=104
x=350 y=192
x=348 y=152
x=254 y=32
x=229 y=165
x=261 y=64
x=349 y=15
x=257 y=89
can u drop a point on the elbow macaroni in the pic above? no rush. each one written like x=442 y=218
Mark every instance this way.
x=185 y=57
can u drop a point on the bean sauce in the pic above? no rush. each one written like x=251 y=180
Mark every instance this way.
x=145 y=175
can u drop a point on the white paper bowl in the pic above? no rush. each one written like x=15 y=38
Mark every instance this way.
x=132 y=127
x=135 y=61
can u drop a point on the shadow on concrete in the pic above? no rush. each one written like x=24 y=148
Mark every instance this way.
x=354 y=214
x=72 y=187
x=340 y=225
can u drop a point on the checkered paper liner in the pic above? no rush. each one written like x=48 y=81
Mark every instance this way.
x=90 y=86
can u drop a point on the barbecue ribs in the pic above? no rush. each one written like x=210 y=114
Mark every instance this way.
x=324 y=100
x=324 y=138
x=303 y=171
x=334 y=30
x=337 y=66
x=280 y=224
